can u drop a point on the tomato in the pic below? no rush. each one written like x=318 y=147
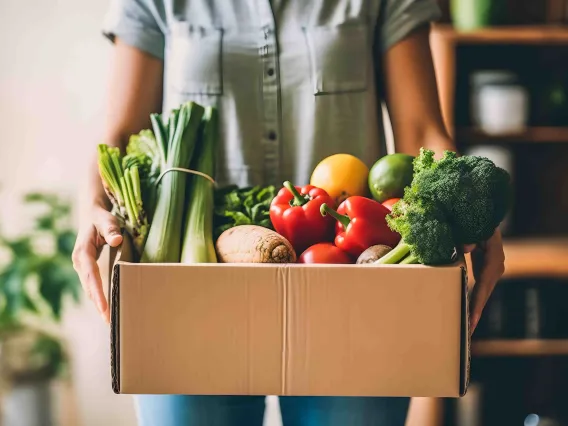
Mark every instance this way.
x=324 y=253
x=389 y=203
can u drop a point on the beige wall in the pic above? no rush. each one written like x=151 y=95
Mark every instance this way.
x=52 y=79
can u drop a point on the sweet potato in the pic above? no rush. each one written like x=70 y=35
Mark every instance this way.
x=253 y=244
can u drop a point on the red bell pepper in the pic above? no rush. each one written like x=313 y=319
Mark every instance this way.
x=295 y=214
x=390 y=203
x=361 y=223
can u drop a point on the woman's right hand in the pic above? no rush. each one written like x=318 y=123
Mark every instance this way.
x=102 y=229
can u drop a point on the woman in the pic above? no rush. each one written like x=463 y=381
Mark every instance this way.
x=294 y=81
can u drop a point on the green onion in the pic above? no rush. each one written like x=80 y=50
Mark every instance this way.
x=198 y=246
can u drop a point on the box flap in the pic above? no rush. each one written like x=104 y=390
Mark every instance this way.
x=374 y=331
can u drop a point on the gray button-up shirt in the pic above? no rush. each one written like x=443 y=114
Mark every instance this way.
x=294 y=80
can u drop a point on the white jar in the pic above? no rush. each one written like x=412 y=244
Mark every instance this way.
x=499 y=104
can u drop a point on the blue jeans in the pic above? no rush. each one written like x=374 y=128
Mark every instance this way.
x=181 y=410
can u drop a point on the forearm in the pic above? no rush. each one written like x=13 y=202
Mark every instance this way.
x=430 y=137
x=412 y=96
x=134 y=92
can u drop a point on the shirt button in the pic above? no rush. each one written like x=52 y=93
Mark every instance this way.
x=270 y=72
x=272 y=135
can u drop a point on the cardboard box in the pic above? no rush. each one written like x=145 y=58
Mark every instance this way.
x=328 y=330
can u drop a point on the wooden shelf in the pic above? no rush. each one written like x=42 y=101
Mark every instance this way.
x=532 y=134
x=532 y=257
x=539 y=34
x=532 y=347
x=546 y=257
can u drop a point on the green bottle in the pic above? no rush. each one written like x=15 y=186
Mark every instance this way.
x=468 y=15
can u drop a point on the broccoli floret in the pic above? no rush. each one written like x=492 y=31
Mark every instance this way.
x=451 y=202
x=471 y=190
x=425 y=233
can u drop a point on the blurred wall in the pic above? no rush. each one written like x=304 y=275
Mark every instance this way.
x=52 y=86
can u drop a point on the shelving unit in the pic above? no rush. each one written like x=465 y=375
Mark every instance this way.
x=537 y=34
x=532 y=134
x=536 y=258
x=515 y=348
x=526 y=257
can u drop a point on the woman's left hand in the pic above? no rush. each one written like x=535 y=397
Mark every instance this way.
x=488 y=262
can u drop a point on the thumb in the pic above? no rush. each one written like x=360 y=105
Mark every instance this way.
x=108 y=228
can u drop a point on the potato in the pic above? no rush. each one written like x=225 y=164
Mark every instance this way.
x=253 y=244
x=373 y=253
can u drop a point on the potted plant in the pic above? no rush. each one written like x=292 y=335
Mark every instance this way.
x=35 y=278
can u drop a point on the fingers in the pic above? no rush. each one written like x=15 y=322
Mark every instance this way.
x=107 y=227
x=85 y=263
x=489 y=263
x=468 y=248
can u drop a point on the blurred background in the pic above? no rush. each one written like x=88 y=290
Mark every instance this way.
x=502 y=69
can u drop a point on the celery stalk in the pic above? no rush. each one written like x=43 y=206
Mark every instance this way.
x=198 y=246
x=164 y=238
x=122 y=185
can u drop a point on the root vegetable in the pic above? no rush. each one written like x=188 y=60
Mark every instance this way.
x=373 y=253
x=253 y=244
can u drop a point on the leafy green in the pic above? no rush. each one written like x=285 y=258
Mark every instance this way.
x=236 y=206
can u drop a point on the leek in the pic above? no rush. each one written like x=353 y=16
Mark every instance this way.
x=164 y=238
x=198 y=246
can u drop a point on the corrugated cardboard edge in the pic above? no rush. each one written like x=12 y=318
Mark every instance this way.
x=115 y=330
x=123 y=252
x=465 y=367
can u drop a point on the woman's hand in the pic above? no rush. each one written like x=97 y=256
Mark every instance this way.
x=102 y=229
x=488 y=263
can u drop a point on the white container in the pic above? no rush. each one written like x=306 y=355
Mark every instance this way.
x=500 y=105
x=502 y=109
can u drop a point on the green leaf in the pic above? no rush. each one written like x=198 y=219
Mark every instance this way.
x=45 y=223
x=244 y=206
x=29 y=304
x=12 y=283
x=20 y=247
x=66 y=242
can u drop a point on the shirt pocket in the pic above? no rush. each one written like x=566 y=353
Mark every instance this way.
x=339 y=58
x=195 y=60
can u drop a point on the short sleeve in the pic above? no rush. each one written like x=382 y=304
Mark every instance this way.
x=137 y=23
x=401 y=17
